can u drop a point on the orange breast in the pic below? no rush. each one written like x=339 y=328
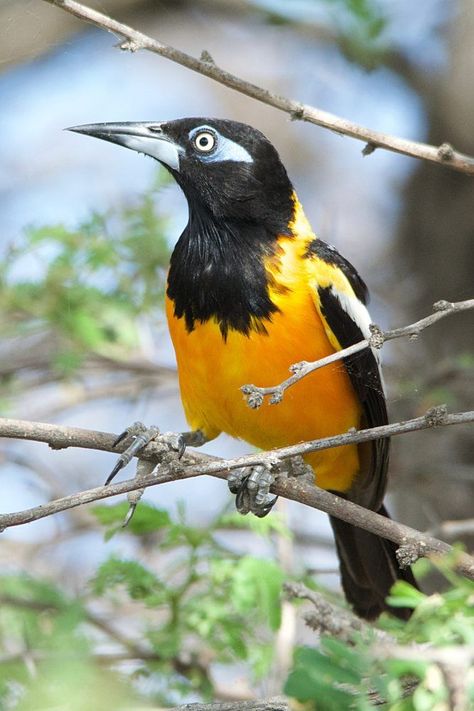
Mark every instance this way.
x=212 y=370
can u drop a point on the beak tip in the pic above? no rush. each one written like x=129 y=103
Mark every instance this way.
x=75 y=129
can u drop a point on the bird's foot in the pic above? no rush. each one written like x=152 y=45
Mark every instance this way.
x=144 y=469
x=142 y=435
x=251 y=487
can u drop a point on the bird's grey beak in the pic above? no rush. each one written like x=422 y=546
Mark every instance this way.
x=145 y=137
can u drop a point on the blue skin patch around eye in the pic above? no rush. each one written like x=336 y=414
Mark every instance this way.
x=225 y=148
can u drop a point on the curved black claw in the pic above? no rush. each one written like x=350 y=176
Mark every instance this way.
x=129 y=515
x=141 y=437
x=174 y=441
x=252 y=490
x=118 y=466
x=122 y=436
x=265 y=510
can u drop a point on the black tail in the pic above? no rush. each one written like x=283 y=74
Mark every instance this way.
x=368 y=569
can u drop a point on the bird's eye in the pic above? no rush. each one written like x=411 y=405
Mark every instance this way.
x=204 y=141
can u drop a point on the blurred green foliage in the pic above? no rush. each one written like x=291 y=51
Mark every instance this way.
x=206 y=603
x=339 y=676
x=87 y=286
x=162 y=629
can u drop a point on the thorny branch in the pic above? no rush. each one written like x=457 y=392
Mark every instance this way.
x=255 y=395
x=444 y=154
x=413 y=544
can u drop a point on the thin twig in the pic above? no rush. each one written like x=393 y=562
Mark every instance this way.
x=329 y=619
x=414 y=543
x=255 y=395
x=134 y=41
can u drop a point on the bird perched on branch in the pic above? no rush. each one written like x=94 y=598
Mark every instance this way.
x=251 y=290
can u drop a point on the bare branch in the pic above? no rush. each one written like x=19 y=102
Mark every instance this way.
x=418 y=544
x=255 y=395
x=277 y=704
x=134 y=41
x=329 y=619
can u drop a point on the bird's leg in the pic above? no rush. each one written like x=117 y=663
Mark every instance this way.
x=142 y=435
x=252 y=489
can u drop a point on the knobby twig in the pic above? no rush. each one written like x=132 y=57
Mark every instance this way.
x=255 y=395
x=276 y=704
x=414 y=543
x=332 y=620
x=134 y=40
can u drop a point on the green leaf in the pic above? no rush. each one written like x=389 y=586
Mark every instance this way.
x=260 y=526
x=405 y=595
x=140 y=583
x=146 y=518
x=350 y=658
x=257 y=583
x=330 y=669
x=315 y=678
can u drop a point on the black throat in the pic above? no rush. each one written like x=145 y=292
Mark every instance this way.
x=217 y=271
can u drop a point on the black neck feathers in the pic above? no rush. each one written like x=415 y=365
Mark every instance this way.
x=217 y=271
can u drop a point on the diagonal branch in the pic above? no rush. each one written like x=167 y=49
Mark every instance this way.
x=255 y=395
x=134 y=40
x=414 y=544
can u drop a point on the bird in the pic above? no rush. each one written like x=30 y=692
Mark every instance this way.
x=251 y=290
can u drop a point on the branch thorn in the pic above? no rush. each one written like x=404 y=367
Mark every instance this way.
x=207 y=58
x=130 y=45
x=369 y=148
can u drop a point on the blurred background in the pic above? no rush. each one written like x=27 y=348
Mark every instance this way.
x=86 y=230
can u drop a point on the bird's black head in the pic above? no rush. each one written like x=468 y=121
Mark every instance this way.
x=240 y=201
x=224 y=167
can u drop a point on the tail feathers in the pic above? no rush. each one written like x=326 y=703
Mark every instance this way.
x=369 y=568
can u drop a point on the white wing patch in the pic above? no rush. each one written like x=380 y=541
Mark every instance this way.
x=355 y=309
x=360 y=315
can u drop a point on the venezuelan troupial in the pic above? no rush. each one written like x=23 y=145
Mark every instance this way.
x=250 y=291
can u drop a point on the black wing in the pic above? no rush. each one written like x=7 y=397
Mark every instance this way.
x=364 y=372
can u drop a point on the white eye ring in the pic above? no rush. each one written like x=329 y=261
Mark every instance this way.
x=204 y=141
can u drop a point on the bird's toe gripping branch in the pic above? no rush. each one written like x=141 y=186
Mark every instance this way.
x=141 y=436
x=171 y=442
x=252 y=489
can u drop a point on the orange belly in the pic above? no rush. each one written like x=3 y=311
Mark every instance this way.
x=211 y=372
